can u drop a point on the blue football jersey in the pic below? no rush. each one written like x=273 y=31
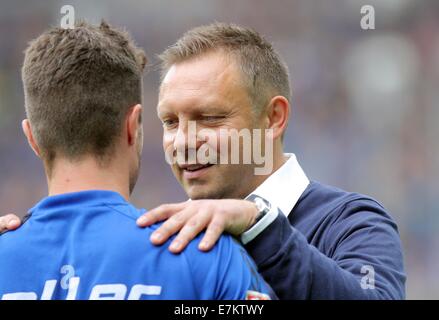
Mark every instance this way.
x=86 y=245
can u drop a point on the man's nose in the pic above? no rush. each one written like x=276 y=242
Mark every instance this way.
x=180 y=138
x=186 y=137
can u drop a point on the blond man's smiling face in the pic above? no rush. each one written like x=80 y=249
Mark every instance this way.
x=207 y=89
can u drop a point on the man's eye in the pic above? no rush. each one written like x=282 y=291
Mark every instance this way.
x=213 y=118
x=169 y=123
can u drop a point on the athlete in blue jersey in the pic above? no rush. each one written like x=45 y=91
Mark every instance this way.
x=83 y=102
x=86 y=245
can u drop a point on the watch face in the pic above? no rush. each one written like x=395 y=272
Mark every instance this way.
x=260 y=204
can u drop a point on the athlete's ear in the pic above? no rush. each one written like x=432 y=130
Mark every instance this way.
x=134 y=123
x=27 y=130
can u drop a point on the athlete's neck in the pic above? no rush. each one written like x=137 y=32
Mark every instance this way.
x=67 y=176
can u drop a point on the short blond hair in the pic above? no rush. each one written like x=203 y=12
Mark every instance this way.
x=265 y=73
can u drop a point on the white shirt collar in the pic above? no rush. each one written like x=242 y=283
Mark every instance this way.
x=284 y=187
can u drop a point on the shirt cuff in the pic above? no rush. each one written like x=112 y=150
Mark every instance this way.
x=260 y=226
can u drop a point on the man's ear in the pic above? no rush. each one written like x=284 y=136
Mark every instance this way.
x=134 y=123
x=27 y=130
x=278 y=112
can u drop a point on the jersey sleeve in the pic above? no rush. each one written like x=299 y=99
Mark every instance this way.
x=228 y=273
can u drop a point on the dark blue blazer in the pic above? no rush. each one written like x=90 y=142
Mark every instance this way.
x=333 y=245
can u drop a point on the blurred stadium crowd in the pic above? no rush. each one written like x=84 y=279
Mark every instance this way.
x=365 y=103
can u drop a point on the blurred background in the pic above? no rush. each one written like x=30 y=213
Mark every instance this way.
x=365 y=102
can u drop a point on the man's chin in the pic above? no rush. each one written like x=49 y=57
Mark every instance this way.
x=202 y=192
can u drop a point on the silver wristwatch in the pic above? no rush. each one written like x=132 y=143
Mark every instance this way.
x=262 y=205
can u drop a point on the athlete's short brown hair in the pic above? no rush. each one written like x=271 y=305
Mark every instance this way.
x=78 y=84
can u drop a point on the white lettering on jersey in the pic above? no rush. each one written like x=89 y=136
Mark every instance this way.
x=20 y=296
x=111 y=291
x=138 y=290
x=49 y=288
x=108 y=292
x=73 y=288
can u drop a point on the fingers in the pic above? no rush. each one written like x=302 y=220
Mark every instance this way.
x=170 y=227
x=213 y=233
x=188 y=219
x=160 y=213
x=9 y=222
x=191 y=229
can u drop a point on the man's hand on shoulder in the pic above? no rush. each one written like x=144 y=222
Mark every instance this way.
x=9 y=222
x=189 y=218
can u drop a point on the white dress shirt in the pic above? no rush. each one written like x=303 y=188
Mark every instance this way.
x=282 y=189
